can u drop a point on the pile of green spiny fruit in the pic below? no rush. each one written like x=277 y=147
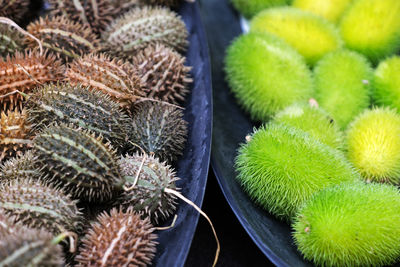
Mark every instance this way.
x=91 y=116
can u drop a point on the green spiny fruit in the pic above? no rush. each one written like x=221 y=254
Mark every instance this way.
x=14 y=9
x=98 y=13
x=282 y=167
x=342 y=84
x=86 y=167
x=66 y=103
x=332 y=10
x=266 y=75
x=373 y=141
x=113 y=77
x=39 y=205
x=132 y=241
x=67 y=39
x=15 y=134
x=312 y=36
x=163 y=73
x=386 y=83
x=314 y=121
x=11 y=40
x=141 y=27
x=22 y=166
x=23 y=72
x=350 y=225
x=159 y=129
x=30 y=247
x=372 y=27
x=148 y=196
x=249 y=8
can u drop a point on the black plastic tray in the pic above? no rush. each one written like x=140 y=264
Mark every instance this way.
x=192 y=168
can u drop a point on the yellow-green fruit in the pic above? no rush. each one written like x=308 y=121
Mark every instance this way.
x=332 y=10
x=311 y=35
x=266 y=74
x=386 y=83
x=372 y=27
x=314 y=121
x=350 y=225
x=249 y=8
x=342 y=83
x=373 y=141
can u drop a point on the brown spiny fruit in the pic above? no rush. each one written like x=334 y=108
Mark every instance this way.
x=126 y=5
x=15 y=134
x=86 y=167
x=113 y=77
x=11 y=40
x=170 y=3
x=23 y=72
x=66 y=38
x=14 y=9
x=7 y=225
x=96 y=13
x=30 y=247
x=22 y=166
x=39 y=205
x=143 y=26
x=163 y=73
x=118 y=239
x=159 y=129
x=75 y=104
x=147 y=196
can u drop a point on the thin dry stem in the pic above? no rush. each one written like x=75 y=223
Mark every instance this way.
x=168 y=227
x=137 y=175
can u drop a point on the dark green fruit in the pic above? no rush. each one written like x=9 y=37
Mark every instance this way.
x=350 y=225
x=22 y=166
x=159 y=129
x=249 y=8
x=81 y=162
x=281 y=167
x=141 y=27
x=148 y=195
x=11 y=40
x=92 y=110
x=118 y=239
x=38 y=205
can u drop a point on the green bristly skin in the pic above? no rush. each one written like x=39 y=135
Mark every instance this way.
x=350 y=225
x=386 y=83
x=332 y=10
x=343 y=85
x=312 y=36
x=372 y=27
x=249 y=8
x=11 y=40
x=282 y=167
x=313 y=120
x=373 y=143
x=266 y=75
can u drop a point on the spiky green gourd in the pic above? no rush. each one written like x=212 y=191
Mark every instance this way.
x=313 y=120
x=332 y=10
x=373 y=143
x=30 y=247
x=312 y=36
x=343 y=85
x=11 y=40
x=249 y=8
x=266 y=75
x=372 y=27
x=39 y=205
x=350 y=225
x=67 y=39
x=148 y=196
x=75 y=104
x=81 y=162
x=14 y=9
x=282 y=167
x=144 y=26
x=118 y=239
x=22 y=166
x=386 y=83
x=159 y=129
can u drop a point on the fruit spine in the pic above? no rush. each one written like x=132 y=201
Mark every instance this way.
x=10 y=40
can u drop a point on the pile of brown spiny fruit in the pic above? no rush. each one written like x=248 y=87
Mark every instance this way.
x=91 y=120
